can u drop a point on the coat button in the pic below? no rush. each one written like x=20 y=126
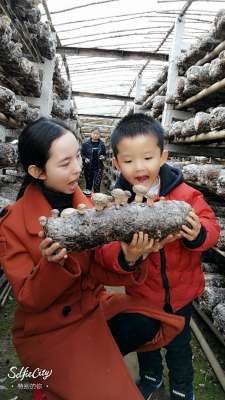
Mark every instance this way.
x=66 y=310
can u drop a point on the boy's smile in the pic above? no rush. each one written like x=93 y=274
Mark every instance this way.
x=139 y=159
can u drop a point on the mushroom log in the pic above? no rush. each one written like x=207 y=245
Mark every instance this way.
x=90 y=228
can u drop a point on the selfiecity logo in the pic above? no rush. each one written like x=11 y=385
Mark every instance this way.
x=23 y=373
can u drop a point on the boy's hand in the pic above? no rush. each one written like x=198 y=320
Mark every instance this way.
x=52 y=251
x=193 y=232
x=140 y=245
x=170 y=238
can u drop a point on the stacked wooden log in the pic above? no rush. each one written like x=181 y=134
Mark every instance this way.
x=211 y=296
x=202 y=122
x=209 y=267
x=221 y=242
x=61 y=108
x=200 y=77
x=61 y=86
x=26 y=75
x=212 y=300
x=204 y=44
x=154 y=98
x=10 y=174
x=29 y=14
x=157 y=106
x=218 y=315
x=160 y=79
x=209 y=175
x=8 y=155
x=15 y=113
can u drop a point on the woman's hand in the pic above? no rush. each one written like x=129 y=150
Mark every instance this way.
x=193 y=232
x=53 y=252
x=140 y=245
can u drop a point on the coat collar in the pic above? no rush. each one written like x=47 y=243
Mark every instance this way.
x=35 y=205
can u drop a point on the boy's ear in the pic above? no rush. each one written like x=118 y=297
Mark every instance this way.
x=36 y=172
x=115 y=163
x=164 y=157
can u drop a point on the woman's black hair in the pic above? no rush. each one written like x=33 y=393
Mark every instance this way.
x=34 y=145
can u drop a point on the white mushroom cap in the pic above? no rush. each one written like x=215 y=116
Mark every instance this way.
x=117 y=193
x=140 y=189
x=54 y=212
x=100 y=198
x=67 y=212
x=82 y=206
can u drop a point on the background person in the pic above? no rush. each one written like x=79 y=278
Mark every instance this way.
x=93 y=153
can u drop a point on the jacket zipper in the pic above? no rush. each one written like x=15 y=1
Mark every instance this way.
x=167 y=306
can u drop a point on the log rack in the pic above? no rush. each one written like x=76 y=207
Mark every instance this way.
x=209 y=323
x=191 y=150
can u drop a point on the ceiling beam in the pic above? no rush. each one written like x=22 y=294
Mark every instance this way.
x=125 y=54
x=99 y=116
x=102 y=96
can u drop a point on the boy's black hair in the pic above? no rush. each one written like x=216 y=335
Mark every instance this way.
x=136 y=124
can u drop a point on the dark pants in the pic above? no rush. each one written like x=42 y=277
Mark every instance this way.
x=132 y=330
x=93 y=178
x=178 y=358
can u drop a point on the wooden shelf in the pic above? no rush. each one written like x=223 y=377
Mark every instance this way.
x=201 y=95
x=213 y=54
x=216 y=256
x=203 y=137
x=220 y=252
x=206 y=191
x=209 y=323
x=198 y=150
x=153 y=95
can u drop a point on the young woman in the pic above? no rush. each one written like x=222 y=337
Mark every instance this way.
x=61 y=324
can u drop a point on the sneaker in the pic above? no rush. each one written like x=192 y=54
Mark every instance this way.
x=87 y=192
x=177 y=395
x=148 y=385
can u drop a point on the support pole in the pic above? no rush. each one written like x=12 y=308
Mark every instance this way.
x=173 y=71
x=138 y=92
x=46 y=99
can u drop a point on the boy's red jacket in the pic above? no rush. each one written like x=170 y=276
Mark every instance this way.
x=175 y=274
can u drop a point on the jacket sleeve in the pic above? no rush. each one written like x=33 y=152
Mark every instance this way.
x=210 y=231
x=84 y=152
x=35 y=287
x=107 y=257
x=103 y=149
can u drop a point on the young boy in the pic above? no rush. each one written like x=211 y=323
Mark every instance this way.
x=175 y=276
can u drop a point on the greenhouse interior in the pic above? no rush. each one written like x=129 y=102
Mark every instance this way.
x=112 y=188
